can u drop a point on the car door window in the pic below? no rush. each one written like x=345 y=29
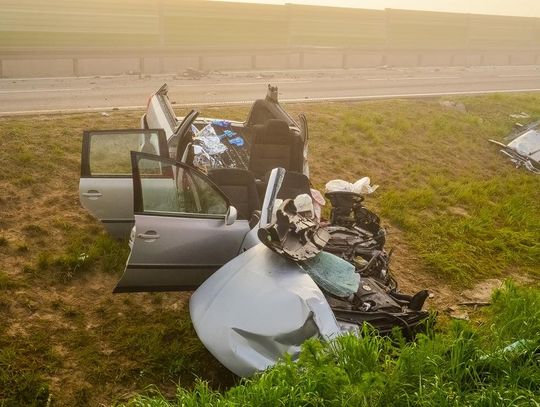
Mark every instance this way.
x=173 y=189
x=107 y=152
x=106 y=187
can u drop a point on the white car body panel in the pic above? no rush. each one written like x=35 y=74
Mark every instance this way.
x=528 y=144
x=257 y=308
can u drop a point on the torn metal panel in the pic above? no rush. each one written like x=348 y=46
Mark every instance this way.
x=363 y=250
x=383 y=308
x=293 y=235
x=524 y=149
x=258 y=307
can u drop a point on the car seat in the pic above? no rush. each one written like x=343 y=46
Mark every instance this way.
x=274 y=145
x=239 y=186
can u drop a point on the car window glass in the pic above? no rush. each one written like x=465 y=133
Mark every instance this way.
x=176 y=190
x=110 y=152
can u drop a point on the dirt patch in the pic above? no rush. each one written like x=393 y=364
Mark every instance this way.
x=481 y=292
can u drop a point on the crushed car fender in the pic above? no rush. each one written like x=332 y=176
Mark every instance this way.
x=257 y=308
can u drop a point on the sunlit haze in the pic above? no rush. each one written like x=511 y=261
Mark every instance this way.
x=527 y=8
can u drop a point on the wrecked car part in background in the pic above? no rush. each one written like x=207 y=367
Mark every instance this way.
x=524 y=149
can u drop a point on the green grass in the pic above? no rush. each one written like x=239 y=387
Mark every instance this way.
x=456 y=208
x=465 y=365
x=467 y=228
x=445 y=191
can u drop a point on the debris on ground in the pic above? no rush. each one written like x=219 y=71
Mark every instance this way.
x=524 y=149
x=521 y=115
x=192 y=73
x=458 y=313
x=450 y=104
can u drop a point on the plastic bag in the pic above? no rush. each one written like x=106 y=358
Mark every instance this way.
x=202 y=159
x=363 y=187
x=209 y=139
x=338 y=185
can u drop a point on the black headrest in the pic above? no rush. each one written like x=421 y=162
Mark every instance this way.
x=274 y=131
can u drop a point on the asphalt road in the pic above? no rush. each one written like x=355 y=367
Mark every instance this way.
x=48 y=95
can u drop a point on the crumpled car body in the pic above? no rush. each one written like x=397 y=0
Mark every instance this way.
x=270 y=299
x=267 y=277
x=524 y=147
x=257 y=308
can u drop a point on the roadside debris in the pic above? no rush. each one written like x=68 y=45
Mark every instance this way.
x=347 y=262
x=460 y=107
x=458 y=313
x=192 y=73
x=524 y=149
x=521 y=115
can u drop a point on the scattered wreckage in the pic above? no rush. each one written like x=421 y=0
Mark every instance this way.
x=524 y=147
x=226 y=208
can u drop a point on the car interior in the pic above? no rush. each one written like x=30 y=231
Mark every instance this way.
x=270 y=138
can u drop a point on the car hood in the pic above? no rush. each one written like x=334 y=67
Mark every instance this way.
x=258 y=307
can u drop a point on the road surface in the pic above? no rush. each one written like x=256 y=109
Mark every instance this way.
x=50 y=95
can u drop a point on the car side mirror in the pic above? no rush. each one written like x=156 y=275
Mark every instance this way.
x=231 y=216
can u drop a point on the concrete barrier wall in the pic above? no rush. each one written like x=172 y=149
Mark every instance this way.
x=102 y=37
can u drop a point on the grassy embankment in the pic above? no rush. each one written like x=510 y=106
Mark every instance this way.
x=457 y=211
x=494 y=364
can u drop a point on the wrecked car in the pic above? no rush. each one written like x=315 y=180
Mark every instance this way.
x=268 y=138
x=237 y=223
x=524 y=147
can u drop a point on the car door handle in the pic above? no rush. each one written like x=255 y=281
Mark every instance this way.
x=150 y=235
x=92 y=194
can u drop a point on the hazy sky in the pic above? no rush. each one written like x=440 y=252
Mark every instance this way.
x=529 y=8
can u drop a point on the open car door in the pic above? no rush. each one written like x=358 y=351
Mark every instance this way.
x=105 y=186
x=185 y=228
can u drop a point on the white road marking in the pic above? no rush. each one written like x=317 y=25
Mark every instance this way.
x=292 y=100
x=519 y=76
x=413 y=78
x=45 y=90
x=262 y=82
x=407 y=95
